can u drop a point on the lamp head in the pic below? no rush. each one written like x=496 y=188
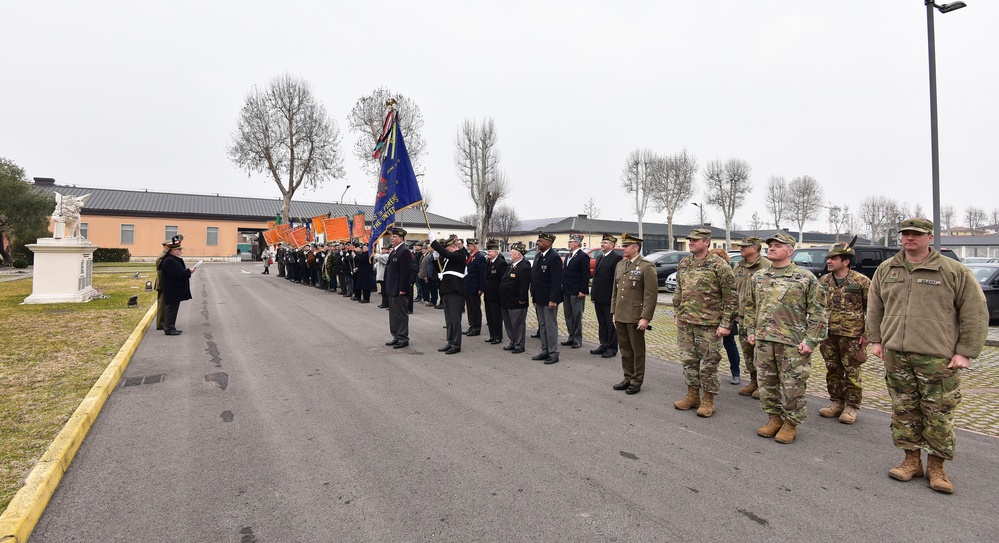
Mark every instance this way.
x=947 y=8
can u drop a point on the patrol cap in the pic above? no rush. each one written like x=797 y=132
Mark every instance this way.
x=519 y=247
x=916 y=224
x=783 y=238
x=841 y=249
x=576 y=237
x=699 y=233
x=747 y=242
x=399 y=232
x=471 y=241
x=174 y=242
x=547 y=236
x=492 y=245
x=610 y=238
x=628 y=239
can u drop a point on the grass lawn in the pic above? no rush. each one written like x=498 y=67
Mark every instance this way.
x=50 y=357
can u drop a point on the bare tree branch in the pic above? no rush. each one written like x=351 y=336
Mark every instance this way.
x=367 y=118
x=775 y=198
x=675 y=186
x=804 y=201
x=642 y=173
x=477 y=163
x=726 y=188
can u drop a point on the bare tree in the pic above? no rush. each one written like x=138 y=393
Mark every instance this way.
x=776 y=198
x=367 y=119
x=591 y=210
x=284 y=131
x=726 y=188
x=874 y=212
x=947 y=215
x=470 y=218
x=804 y=201
x=505 y=223
x=641 y=175
x=994 y=217
x=841 y=220
x=917 y=211
x=756 y=224
x=477 y=163
x=675 y=187
x=975 y=217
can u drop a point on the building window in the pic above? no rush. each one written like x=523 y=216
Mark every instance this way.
x=127 y=234
x=83 y=231
x=213 y=235
x=171 y=231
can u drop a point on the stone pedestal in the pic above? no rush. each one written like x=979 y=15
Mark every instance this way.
x=63 y=271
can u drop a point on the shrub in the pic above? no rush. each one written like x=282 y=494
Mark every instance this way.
x=107 y=254
x=20 y=263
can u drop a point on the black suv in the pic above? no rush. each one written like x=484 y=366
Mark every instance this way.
x=869 y=257
x=666 y=262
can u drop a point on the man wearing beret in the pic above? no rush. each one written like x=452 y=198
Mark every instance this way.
x=575 y=287
x=398 y=285
x=475 y=284
x=601 y=293
x=546 y=292
x=636 y=290
x=495 y=270
x=752 y=261
x=926 y=317
x=705 y=303
x=514 y=293
x=786 y=321
x=845 y=349
x=452 y=288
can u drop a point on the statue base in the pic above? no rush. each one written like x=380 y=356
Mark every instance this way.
x=63 y=271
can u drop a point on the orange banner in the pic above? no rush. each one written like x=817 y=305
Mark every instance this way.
x=337 y=229
x=271 y=237
x=366 y=235
x=317 y=224
x=300 y=237
x=358 y=230
x=271 y=225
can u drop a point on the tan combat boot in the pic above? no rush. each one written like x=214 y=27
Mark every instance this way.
x=938 y=478
x=771 y=428
x=691 y=400
x=911 y=467
x=787 y=432
x=834 y=409
x=749 y=389
x=756 y=394
x=707 y=406
x=849 y=415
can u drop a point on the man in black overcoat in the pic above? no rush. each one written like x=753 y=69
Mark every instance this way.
x=600 y=293
x=452 y=285
x=176 y=278
x=495 y=268
x=515 y=291
x=546 y=292
x=399 y=286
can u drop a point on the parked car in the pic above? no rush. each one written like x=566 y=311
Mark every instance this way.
x=666 y=263
x=591 y=252
x=812 y=259
x=869 y=257
x=671 y=282
x=988 y=277
x=976 y=260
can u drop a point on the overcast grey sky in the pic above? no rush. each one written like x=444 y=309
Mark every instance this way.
x=145 y=95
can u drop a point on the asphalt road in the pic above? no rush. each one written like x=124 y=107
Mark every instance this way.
x=282 y=417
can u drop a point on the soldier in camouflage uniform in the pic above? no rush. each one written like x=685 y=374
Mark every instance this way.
x=846 y=347
x=705 y=303
x=752 y=261
x=926 y=317
x=786 y=321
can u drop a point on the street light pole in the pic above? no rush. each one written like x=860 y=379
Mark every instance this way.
x=700 y=208
x=344 y=193
x=934 y=138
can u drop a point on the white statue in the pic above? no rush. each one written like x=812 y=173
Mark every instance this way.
x=67 y=215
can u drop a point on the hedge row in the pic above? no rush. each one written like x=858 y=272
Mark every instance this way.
x=112 y=255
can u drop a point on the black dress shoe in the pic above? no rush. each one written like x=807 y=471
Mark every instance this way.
x=393 y=342
x=471 y=334
x=439 y=306
x=566 y=343
x=444 y=348
x=495 y=341
x=552 y=359
x=633 y=389
x=490 y=340
x=172 y=332
x=364 y=301
x=609 y=354
x=543 y=355
x=382 y=307
x=576 y=345
x=622 y=385
x=536 y=336
x=509 y=347
x=600 y=350
x=400 y=345
x=159 y=327
x=517 y=351
x=453 y=350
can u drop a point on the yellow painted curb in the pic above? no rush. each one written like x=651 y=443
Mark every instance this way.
x=23 y=512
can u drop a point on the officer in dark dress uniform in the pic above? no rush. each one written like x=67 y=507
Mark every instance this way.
x=495 y=269
x=546 y=292
x=399 y=286
x=475 y=283
x=514 y=295
x=453 y=257
x=600 y=294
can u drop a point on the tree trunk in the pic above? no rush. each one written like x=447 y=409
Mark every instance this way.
x=669 y=231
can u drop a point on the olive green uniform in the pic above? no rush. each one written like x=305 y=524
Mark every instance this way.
x=636 y=290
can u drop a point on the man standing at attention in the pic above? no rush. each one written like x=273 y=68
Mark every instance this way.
x=786 y=321
x=752 y=261
x=475 y=284
x=926 y=317
x=601 y=293
x=846 y=347
x=176 y=277
x=399 y=287
x=633 y=305
x=514 y=293
x=705 y=302
x=575 y=287
x=495 y=270
x=546 y=291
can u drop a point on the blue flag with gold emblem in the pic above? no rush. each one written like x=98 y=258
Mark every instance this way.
x=397 y=186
